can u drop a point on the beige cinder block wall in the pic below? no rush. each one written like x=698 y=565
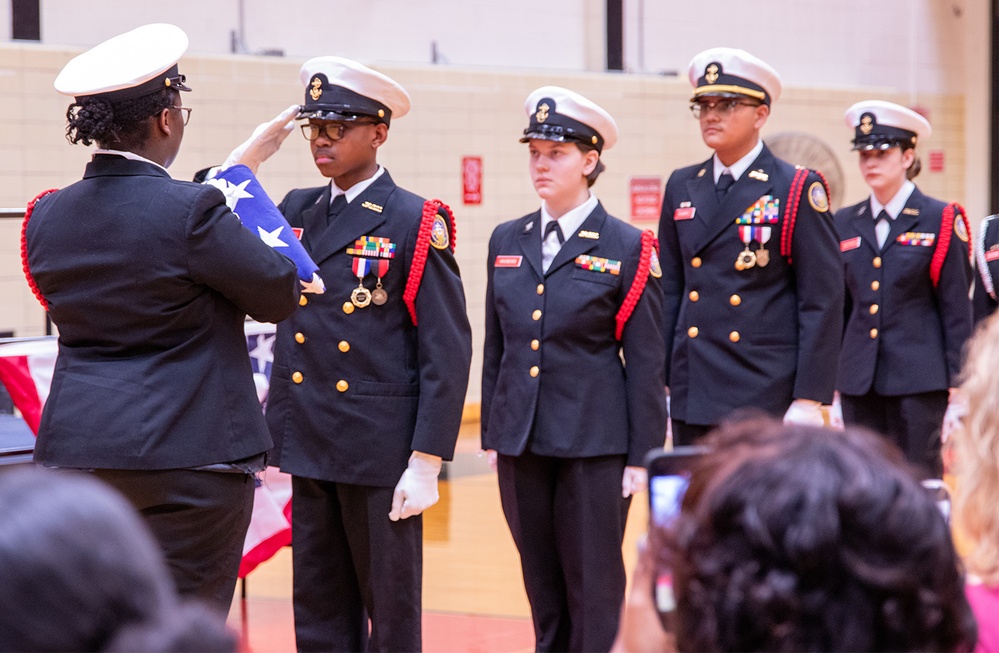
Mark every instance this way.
x=456 y=112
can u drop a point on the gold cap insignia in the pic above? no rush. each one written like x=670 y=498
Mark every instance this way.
x=167 y=81
x=542 y=114
x=711 y=73
x=594 y=139
x=381 y=113
x=866 y=125
x=317 y=88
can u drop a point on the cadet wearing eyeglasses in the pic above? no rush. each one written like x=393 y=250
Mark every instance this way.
x=369 y=378
x=752 y=276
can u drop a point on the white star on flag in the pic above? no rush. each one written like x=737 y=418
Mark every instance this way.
x=233 y=192
x=263 y=352
x=272 y=238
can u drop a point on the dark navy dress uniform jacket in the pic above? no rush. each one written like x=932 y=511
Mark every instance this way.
x=753 y=338
x=902 y=335
x=987 y=253
x=149 y=280
x=371 y=387
x=553 y=381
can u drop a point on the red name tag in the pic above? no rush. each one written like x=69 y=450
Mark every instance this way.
x=992 y=256
x=508 y=261
x=685 y=213
x=297 y=231
x=847 y=245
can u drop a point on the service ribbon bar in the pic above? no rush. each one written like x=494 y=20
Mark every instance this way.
x=598 y=264
x=919 y=238
x=372 y=246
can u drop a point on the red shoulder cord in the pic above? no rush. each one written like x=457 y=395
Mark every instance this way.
x=791 y=210
x=24 y=248
x=638 y=283
x=422 y=248
x=943 y=240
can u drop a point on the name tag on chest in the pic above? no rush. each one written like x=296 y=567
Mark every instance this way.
x=508 y=261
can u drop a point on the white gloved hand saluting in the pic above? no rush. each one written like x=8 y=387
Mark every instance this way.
x=804 y=412
x=836 y=414
x=265 y=141
x=953 y=419
x=417 y=488
x=635 y=480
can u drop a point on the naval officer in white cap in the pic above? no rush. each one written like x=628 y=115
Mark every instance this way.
x=148 y=280
x=572 y=292
x=752 y=276
x=908 y=274
x=369 y=379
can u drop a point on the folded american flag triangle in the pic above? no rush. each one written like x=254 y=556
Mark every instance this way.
x=247 y=199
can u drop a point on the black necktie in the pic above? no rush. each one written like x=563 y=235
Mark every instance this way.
x=336 y=206
x=553 y=226
x=882 y=231
x=725 y=181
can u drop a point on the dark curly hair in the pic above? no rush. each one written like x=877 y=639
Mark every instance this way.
x=97 y=119
x=794 y=538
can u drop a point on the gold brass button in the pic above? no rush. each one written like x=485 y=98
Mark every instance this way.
x=297 y=377
x=344 y=346
x=874 y=309
x=299 y=337
x=535 y=371
x=735 y=300
x=694 y=295
x=875 y=285
x=692 y=332
x=874 y=333
x=535 y=345
x=695 y=262
x=348 y=308
x=303 y=300
x=541 y=288
x=877 y=261
x=734 y=336
x=536 y=315
x=342 y=386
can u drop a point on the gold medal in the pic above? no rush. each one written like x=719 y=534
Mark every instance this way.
x=360 y=297
x=746 y=260
x=762 y=257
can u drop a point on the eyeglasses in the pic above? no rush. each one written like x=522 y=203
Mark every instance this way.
x=721 y=107
x=333 y=130
x=184 y=110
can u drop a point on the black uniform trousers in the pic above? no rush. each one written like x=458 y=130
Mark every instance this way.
x=352 y=563
x=686 y=434
x=910 y=421
x=199 y=518
x=567 y=518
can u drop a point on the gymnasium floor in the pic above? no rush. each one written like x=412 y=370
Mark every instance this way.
x=473 y=591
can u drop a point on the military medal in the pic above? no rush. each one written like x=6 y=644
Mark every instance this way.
x=361 y=296
x=762 y=237
x=746 y=258
x=378 y=295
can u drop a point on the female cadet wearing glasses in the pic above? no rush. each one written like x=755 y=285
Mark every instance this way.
x=572 y=394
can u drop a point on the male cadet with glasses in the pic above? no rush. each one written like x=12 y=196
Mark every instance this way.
x=751 y=265
x=369 y=379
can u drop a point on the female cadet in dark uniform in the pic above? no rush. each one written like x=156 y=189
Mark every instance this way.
x=572 y=392
x=907 y=280
x=149 y=280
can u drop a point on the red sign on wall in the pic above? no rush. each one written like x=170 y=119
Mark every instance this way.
x=936 y=160
x=646 y=198
x=471 y=179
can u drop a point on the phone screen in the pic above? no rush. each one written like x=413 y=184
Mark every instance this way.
x=666 y=495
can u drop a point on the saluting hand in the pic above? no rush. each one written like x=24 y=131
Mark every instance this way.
x=265 y=141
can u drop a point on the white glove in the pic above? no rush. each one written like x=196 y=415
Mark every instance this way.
x=315 y=286
x=417 y=488
x=953 y=419
x=804 y=412
x=635 y=480
x=836 y=414
x=265 y=141
x=490 y=457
